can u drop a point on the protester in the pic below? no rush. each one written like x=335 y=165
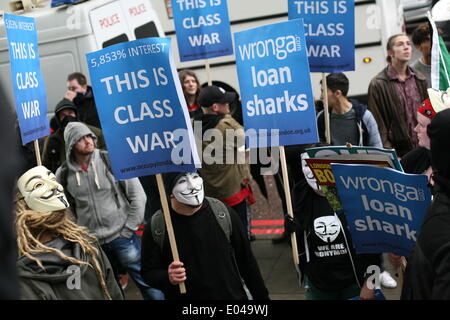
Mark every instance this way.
x=215 y=255
x=394 y=95
x=191 y=90
x=350 y=121
x=53 y=249
x=226 y=173
x=428 y=268
x=418 y=161
x=53 y=154
x=83 y=97
x=331 y=268
x=421 y=38
x=9 y=288
x=112 y=211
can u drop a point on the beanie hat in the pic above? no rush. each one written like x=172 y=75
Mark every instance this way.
x=65 y=104
x=170 y=179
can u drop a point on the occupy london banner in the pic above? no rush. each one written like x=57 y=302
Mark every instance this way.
x=142 y=108
x=203 y=29
x=385 y=208
x=329 y=31
x=275 y=85
x=27 y=81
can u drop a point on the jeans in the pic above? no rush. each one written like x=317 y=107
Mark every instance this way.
x=241 y=210
x=125 y=254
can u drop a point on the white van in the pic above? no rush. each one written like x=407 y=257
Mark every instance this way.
x=67 y=33
x=375 y=21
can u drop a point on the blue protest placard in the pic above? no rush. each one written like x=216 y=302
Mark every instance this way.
x=203 y=29
x=275 y=84
x=329 y=31
x=142 y=108
x=27 y=81
x=384 y=207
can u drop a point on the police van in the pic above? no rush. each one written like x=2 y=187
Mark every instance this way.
x=375 y=21
x=66 y=33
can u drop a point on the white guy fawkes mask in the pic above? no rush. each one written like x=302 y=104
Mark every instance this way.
x=189 y=189
x=41 y=191
x=327 y=228
x=308 y=173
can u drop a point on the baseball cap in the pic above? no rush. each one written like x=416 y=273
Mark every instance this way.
x=214 y=94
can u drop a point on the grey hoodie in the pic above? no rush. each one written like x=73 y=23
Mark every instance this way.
x=59 y=280
x=100 y=203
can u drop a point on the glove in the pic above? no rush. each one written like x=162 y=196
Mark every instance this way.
x=290 y=224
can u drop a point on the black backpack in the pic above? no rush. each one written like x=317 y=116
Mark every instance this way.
x=158 y=227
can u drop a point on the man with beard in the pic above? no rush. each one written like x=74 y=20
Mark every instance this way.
x=216 y=258
x=112 y=211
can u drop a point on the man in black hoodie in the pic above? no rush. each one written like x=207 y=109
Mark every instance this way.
x=428 y=271
x=54 y=154
x=332 y=269
x=216 y=257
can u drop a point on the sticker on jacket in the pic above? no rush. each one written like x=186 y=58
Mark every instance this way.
x=328 y=228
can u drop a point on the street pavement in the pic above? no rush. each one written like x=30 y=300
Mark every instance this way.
x=274 y=260
x=277 y=268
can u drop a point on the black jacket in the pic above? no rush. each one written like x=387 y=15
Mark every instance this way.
x=428 y=271
x=10 y=163
x=330 y=267
x=87 y=110
x=211 y=271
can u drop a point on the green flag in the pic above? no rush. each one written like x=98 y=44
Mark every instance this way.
x=440 y=61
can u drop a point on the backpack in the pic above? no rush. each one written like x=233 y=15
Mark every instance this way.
x=360 y=110
x=107 y=162
x=158 y=227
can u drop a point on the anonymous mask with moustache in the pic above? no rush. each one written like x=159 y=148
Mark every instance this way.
x=189 y=190
x=41 y=191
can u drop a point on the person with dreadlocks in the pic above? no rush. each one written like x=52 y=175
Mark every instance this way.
x=58 y=260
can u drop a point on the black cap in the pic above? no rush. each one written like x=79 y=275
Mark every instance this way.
x=65 y=104
x=214 y=94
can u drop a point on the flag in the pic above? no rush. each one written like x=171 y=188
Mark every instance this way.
x=440 y=61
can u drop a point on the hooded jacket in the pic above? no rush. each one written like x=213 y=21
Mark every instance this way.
x=327 y=255
x=54 y=153
x=384 y=104
x=428 y=271
x=54 y=283
x=108 y=210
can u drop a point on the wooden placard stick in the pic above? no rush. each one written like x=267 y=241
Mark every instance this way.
x=168 y=221
x=287 y=192
x=37 y=153
x=208 y=72
x=326 y=112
